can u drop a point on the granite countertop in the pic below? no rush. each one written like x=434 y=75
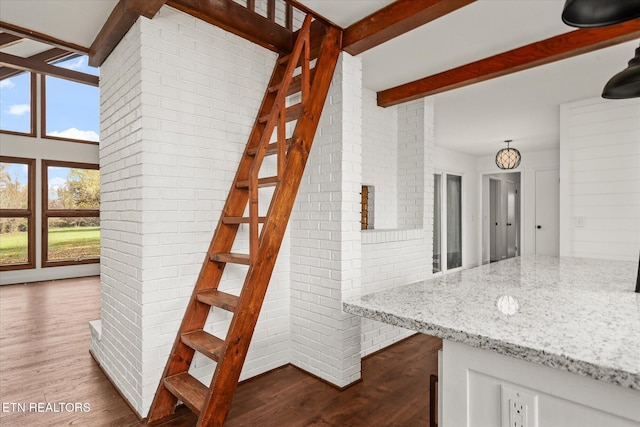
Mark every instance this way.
x=575 y=314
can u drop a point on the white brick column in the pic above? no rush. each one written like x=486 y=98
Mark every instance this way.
x=415 y=151
x=325 y=237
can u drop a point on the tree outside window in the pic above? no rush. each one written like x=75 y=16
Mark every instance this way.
x=17 y=200
x=71 y=213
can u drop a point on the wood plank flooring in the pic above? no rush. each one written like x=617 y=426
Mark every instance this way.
x=44 y=358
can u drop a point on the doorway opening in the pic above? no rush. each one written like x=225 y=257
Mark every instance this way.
x=501 y=206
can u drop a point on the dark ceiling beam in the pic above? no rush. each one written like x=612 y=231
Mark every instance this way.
x=42 y=38
x=393 y=20
x=553 y=49
x=46 y=56
x=238 y=20
x=28 y=64
x=7 y=39
x=122 y=18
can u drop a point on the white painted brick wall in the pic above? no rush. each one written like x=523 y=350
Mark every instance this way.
x=402 y=256
x=325 y=237
x=168 y=165
x=411 y=167
x=119 y=349
x=600 y=179
x=380 y=158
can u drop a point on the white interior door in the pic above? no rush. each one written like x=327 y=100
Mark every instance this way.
x=548 y=212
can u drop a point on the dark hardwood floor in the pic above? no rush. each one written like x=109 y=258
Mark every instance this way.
x=44 y=358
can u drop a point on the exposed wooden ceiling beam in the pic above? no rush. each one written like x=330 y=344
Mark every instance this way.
x=122 y=17
x=7 y=39
x=28 y=64
x=42 y=38
x=393 y=20
x=46 y=56
x=238 y=20
x=532 y=55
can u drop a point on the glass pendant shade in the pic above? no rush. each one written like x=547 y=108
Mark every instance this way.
x=625 y=84
x=599 y=13
x=508 y=158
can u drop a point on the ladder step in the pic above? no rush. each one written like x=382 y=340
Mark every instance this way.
x=232 y=258
x=271 y=148
x=205 y=343
x=284 y=59
x=296 y=83
x=262 y=182
x=187 y=389
x=241 y=219
x=292 y=113
x=218 y=299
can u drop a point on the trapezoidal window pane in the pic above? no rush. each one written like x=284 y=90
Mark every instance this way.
x=15 y=103
x=73 y=238
x=73 y=188
x=14 y=241
x=72 y=109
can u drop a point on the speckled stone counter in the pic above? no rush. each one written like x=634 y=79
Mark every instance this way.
x=579 y=315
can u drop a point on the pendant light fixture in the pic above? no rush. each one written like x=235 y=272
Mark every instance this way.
x=508 y=158
x=599 y=13
x=625 y=84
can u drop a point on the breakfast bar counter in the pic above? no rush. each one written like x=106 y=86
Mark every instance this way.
x=576 y=315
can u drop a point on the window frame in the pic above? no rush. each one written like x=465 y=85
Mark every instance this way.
x=444 y=267
x=32 y=110
x=43 y=115
x=61 y=213
x=28 y=213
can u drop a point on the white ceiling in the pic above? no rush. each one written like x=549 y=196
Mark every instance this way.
x=476 y=119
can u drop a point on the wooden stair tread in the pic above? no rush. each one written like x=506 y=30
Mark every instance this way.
x=216 y=298
x=262 y=182
x=230 y=257
x=271 y=148
x=296 y=83
x=292 y=113
x=205 y=343
x=189 y=390
x=241 y=219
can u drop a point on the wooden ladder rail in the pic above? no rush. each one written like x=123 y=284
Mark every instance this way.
x=213 y=405
x=300 y=52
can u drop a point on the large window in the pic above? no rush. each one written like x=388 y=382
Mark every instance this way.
x=447 y=222
x=17 y=98
x=17 y=202
x=71 y=110
x=70 y=213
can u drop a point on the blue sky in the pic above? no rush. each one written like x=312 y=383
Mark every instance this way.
x=73 y=109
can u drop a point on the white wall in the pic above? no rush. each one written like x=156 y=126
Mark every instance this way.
x=178 y=102
x=403 y=255
x=532 y=161
x=380 y=158
x=600 y=179
x=325 y=237
x=45 y=149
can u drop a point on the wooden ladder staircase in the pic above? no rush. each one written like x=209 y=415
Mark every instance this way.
x=294 y=74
